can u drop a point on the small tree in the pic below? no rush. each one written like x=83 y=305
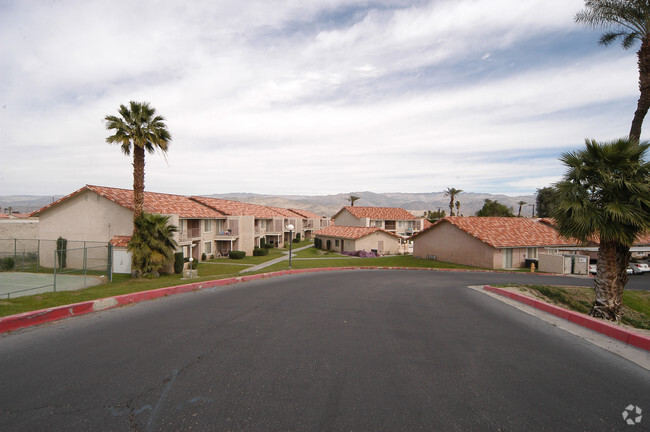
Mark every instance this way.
x=545 y=202
x=353 y=199
x=452 y=193
x=61 y=252
x=152 y=244
x=521 y=204
x=494 y=209
x=605 y=196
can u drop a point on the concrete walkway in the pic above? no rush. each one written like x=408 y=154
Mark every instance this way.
x=274 y=261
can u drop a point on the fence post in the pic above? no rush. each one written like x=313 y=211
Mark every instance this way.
x=55 y=253
x=85 y=263
x=109 y=270
x=15 y=254
x=38 y=255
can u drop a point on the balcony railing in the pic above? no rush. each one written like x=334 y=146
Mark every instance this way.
x=190 y=234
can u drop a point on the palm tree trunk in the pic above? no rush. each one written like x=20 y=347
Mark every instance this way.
x=611 y=277
x=644 y=87
x=138 y=181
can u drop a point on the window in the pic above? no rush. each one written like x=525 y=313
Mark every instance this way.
x=263 y=224
x=207 y=248
x=400 y=224
x=207 y=225
x=336 y=243
x=531 y=253
x=378 y=224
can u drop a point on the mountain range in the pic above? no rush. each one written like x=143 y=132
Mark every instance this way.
x=328 y=205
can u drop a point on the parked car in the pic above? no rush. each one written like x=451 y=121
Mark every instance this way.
x=593 y=269
x=639 y=268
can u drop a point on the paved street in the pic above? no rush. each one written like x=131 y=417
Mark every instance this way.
x=337 y=351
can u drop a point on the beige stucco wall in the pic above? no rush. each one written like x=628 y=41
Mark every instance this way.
x=367 y=243
x=345 y=218
x=451 y=244
x=19 y=228
x=88 y=217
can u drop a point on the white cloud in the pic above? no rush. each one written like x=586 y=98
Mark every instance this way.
x=305 y=97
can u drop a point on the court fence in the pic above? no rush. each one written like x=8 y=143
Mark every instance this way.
x=41 y=256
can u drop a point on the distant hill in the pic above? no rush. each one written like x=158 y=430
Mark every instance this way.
x=326 y=205
x=25 y=203
x=416 y=203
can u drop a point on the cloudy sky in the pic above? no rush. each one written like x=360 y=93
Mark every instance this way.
x=307 y=97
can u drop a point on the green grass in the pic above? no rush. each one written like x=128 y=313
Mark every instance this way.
x=389 y=261
x=636 y=304
x=252 y=260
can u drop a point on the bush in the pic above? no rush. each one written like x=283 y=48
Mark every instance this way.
x=297 y=239
x=204 y=257
x=236 y=254
x=329 y=244
x=178 y=262
x=318 y=243
x=260 y=251
x=7 y=263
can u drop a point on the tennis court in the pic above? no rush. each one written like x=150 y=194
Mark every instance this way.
x=17 y=284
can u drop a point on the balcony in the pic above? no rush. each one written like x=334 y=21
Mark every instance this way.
x=189 y=234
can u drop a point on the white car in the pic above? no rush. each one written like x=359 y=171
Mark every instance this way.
x=593 y=269
x=639 y=268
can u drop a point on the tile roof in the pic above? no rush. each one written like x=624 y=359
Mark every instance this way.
x=153 y=202
x=306 y=214
x=506 y=231
x=237 y=208
x=378 y=213
x=349 y=232
x=4 y=216
x=120 y=241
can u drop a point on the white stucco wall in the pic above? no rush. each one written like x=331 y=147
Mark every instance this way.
x=19 y=228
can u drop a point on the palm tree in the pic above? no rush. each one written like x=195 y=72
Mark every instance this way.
x=457 y=208
x=353 y=199
x=152 y=244
x=521 y=204
x=605 y=196
x=452 y=193
x=138 y=127
x=628 y=20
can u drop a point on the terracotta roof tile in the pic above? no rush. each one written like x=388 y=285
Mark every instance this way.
x=379 y=213
x=153 y=202
x=305 y=213
x=507 y=231
x=237 y=208
x=349 y=232
x=120 y=241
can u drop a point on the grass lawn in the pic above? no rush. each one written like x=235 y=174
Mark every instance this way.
x=344 y=261
x=636 y=304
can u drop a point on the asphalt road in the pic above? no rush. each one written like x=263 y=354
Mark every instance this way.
x=341 y=351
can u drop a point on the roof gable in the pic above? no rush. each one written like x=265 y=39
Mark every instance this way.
x=350 y=232
x=153 y=202
x=378 y=213
x=506 y=232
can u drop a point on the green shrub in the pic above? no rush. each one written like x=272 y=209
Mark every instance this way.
x=329 y=244
x=236 y=254
x=204 y=257
x=7 y=263
x=178 y=262
x=260 y=251
x=318 y=243
x=297 y=239
x=61 y=252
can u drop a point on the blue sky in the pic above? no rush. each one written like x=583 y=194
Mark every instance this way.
x=307 y=97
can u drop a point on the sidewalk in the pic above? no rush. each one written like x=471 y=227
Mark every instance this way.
x=274 y=261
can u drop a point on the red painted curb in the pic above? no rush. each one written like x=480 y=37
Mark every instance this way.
x=612 y=330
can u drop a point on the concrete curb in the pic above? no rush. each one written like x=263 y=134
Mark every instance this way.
x=43 y=316
x=612 y=330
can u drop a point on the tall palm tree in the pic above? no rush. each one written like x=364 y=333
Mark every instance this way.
x=521 y=204
x=353 y=199
x=605 y=196
x=152 y=244
x=629 y=21
x=457 y=208
x=138 y=129
x=452 y=193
